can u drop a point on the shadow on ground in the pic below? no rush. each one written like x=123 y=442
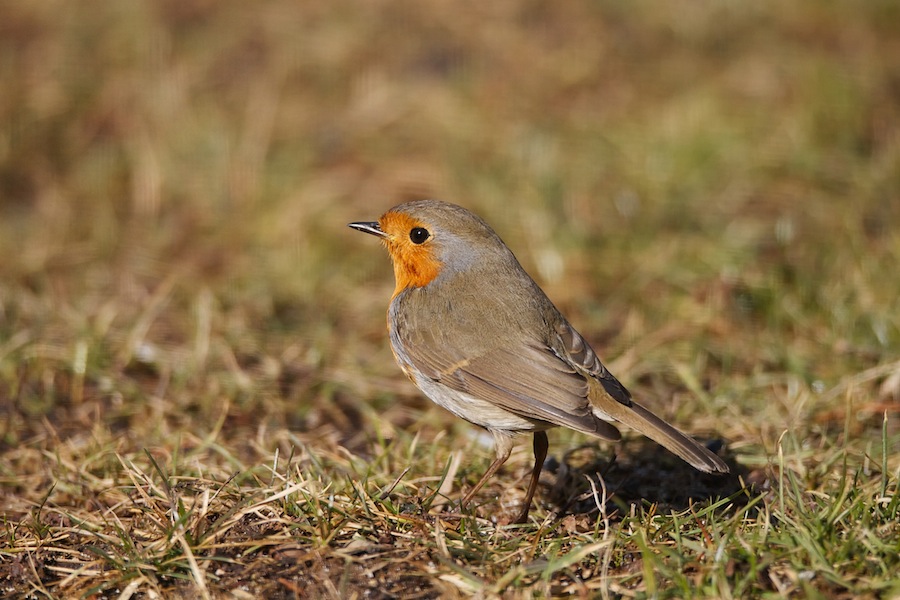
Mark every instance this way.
x=642 y=474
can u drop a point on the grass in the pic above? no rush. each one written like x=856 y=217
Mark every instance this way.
x=198 y=398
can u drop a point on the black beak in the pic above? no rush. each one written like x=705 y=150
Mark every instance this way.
x=369 y=227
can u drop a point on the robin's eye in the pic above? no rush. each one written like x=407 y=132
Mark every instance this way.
x=418 y=235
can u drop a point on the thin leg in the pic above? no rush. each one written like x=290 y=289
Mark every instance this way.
x=540 y=454
x=503 y=446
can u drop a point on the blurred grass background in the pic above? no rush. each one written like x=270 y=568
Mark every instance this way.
x=709 y=190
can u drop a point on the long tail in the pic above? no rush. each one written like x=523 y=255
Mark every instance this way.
x=640 y=419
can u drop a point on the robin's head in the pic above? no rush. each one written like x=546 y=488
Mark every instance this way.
x=430 y=238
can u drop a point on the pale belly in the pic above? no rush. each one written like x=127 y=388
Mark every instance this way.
x=477 y=411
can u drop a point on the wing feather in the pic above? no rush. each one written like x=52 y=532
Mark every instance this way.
x=531 y=382
x=617 y=404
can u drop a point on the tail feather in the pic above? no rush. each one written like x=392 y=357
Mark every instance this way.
x=642 y=420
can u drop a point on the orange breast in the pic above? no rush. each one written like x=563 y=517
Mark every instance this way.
x=415 y=265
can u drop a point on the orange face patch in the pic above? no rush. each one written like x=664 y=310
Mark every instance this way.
x=415 y=265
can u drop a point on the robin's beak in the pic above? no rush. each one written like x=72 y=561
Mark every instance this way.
x=369 y=227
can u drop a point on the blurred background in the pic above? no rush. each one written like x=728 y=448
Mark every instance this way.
x=709 y=190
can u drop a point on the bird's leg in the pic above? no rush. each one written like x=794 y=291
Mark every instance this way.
x=540 y=454
x=503 y=446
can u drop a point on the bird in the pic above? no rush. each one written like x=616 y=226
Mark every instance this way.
x=477 y=335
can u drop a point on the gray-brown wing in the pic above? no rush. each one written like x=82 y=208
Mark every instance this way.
x=617 y=404
x=531 y=382
x=574 y=350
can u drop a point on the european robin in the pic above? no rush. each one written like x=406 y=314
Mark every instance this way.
x=478 y=336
